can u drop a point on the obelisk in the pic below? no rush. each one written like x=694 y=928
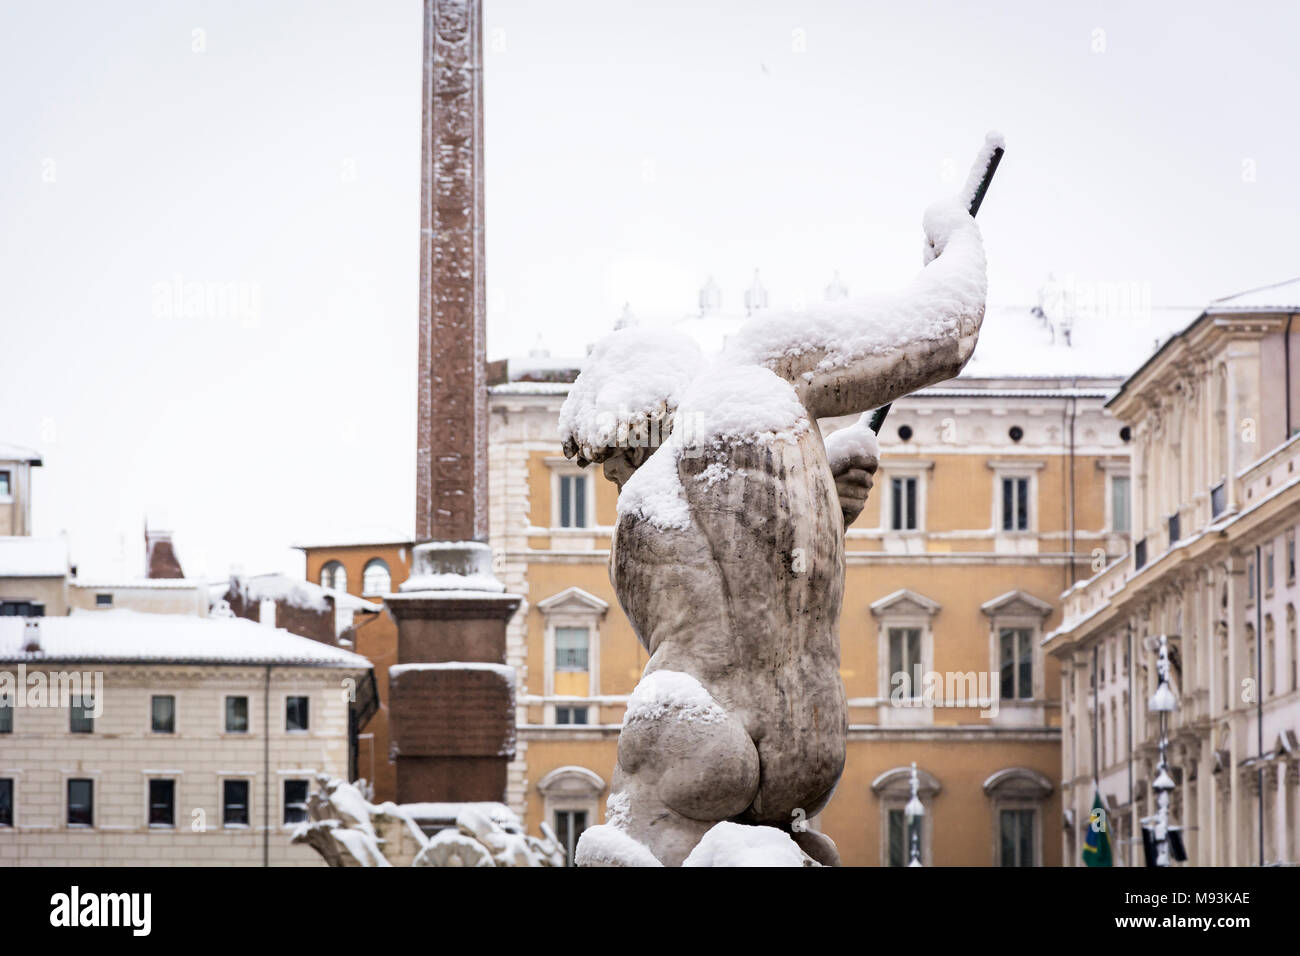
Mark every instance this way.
x=451 y=700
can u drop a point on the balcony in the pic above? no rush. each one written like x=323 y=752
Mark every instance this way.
x=1175 y=529
x=1218 y=500
x=1140 y=555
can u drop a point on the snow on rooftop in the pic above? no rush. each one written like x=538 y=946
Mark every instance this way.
x=164 y=584
x=1014 y=342
x=25 y=557
x=1281 y=297
x=296 y=593
x=129 y=636
x=504 y=671
x=18 y=453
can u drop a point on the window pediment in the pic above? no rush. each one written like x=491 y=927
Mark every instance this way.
x=1016 y=604
x=905 y=603
x=573 y=600
x=898 y=783
x=572 y=781
x=1018 y=782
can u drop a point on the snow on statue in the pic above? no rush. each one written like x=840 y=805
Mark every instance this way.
x=728 y=555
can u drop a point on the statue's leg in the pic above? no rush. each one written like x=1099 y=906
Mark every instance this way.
x=681 y=769
x=818 y=846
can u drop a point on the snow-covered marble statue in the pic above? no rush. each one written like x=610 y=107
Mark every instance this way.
x=728 y=555
x=346 y=829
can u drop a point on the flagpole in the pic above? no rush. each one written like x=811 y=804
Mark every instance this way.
x=1128 y=718
x=1096 y=771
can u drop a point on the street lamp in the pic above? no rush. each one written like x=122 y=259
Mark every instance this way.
x=914 y=811
x=1162 y=703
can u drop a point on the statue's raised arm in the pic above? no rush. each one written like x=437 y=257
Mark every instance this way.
x=850 y=356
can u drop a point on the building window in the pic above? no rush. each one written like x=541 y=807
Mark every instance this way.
x=6 y=715
x=570 y=798
x=234 y=803
x=162 y=803
x=236 y=715
x=81 y=803
x=1270 y=655
x=1016 y=661
x=5 y=488
x=569 y=825
x=570 y=715
x=893 y=789
x=376 y=579
x=1015 y=504
x=1250 y=578
x=902 y=508
x=295 y=801
x=571 y=648
x=1218 y=500
x=295 y=714
x=163 y=717
x=1120 y=503
x=900 y=838
x=905 y=658
x=82 y=715
x=103 y=600
x=1016 y=835
x=334 y=576
x=1291 y=646
x=1268 y=569
x=6 y=802
x=1290 y=557
x=22 y=609
x=573 y=501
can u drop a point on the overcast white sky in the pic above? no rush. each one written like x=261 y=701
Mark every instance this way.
x=632 y=150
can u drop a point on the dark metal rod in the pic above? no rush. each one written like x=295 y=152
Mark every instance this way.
x=878 y=416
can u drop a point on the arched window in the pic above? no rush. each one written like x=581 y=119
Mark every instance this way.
x=375 y=579
x=334 y=576
x=893 y=789
x=571 y=801
x=1017 y=795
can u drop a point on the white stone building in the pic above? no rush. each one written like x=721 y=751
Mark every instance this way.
x=1216 y=505
x=137 y=739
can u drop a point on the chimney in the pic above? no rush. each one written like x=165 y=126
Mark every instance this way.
x=32 y=636
x=159 y=558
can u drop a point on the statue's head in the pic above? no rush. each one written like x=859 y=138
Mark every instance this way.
x=622 y=405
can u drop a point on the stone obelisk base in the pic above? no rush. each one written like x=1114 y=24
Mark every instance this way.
x=451 y=694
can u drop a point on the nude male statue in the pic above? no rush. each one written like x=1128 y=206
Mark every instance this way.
x=728 y=554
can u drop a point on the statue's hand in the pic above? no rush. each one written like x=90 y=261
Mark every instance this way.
x=853 y=454
x=854 y=478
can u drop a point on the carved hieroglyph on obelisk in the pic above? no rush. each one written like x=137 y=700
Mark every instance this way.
x=451 y=695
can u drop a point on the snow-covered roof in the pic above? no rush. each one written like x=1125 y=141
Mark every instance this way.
x=1281 y=297
x=123 y=636
x=19 y=453
x=24 y=557
x=160 y=584
x=1016 y=343
x=297 y=593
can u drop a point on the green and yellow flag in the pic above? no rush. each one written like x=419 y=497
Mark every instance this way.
x=1096 y=842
